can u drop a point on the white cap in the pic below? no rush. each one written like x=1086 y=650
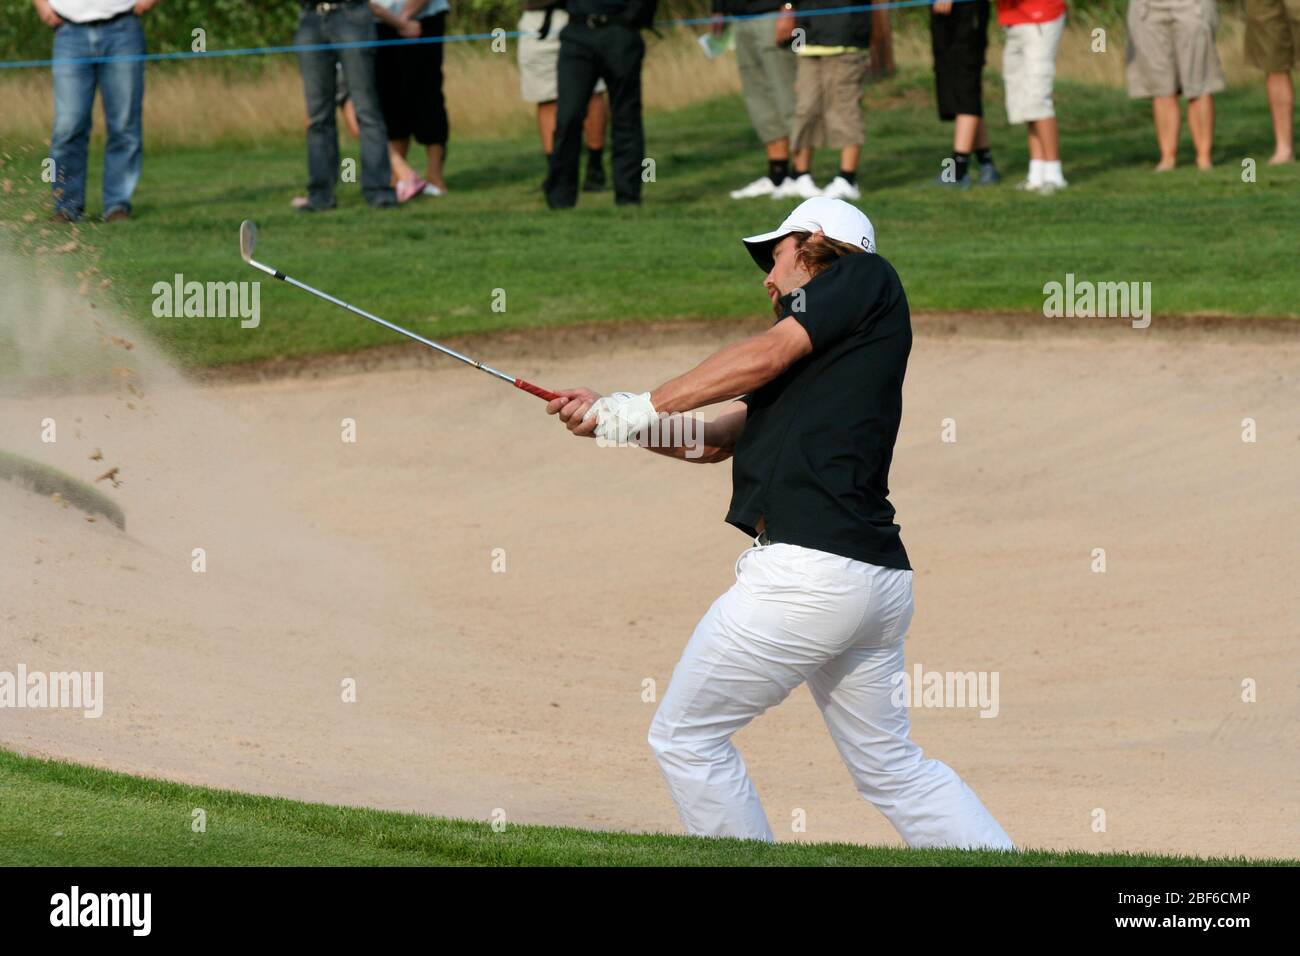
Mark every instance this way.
x=833 y=217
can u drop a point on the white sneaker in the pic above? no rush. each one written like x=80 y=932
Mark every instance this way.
x=1045 y=186
x=431 y=190
x=801 y=188
x=1048 y=186
x=759 y=187
x=841 y=188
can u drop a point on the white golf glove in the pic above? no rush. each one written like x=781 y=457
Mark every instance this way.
x=621 y=415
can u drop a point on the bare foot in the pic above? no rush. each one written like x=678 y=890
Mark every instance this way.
x=1204 y=165
x=1165 y=165
x=1281 y=159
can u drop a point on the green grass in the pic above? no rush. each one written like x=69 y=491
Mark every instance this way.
x=62 y=814
x=1208 y=243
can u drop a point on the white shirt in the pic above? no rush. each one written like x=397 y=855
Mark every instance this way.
x=430 y=9
x=83 y=11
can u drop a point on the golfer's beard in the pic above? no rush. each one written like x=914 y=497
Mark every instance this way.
x=776 y=303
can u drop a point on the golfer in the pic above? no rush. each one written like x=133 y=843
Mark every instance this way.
x=825 y=593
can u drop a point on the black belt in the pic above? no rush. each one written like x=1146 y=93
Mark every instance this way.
x=333 y=5
x=106 y=20
x=594 y=20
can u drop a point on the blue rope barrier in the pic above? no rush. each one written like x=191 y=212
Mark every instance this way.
x=411 y=41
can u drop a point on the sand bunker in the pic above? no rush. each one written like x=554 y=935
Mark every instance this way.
x=478 y=688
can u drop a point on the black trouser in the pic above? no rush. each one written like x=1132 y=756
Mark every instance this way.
x=958 y=40
x=613 y=53
x=409 y=80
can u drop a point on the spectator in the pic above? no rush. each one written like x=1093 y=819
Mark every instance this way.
x=1170 y=51
x=959 y=38
x=602 y=41
x=767 y=72
x=406 y=182
x=88 y=29
x=1273 y=45
x=344 y=22
x=539 y=56
x=409 y=79
x=1033 y=35
x=833 y=61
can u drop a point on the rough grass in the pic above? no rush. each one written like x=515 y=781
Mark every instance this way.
x=203 y=102
x=62 y=814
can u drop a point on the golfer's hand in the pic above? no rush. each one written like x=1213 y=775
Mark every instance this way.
x=572 y=406
x=622 y=416
x=943 y=7
x=408 y=28
x=143 y=6
x=47 y=14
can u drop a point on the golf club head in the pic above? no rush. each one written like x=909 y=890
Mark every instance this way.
x=247 y=239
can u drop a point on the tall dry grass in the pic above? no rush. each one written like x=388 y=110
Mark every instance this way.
x=198 y=103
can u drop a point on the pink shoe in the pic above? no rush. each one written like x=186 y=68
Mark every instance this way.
x=410 y=188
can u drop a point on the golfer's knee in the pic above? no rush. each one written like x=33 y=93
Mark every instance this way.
x=891 y=772
x=675 y=749
x=660 y=737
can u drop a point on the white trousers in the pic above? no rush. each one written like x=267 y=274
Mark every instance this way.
x=796 y=614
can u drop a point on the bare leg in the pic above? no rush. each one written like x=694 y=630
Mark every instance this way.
x=435 y=153
x=1281 y=101
x=1200 y=119
x=350 y=119
x=778 y=150
x=401 y=168
x=1035 y=141
x=849 y=156
x=546 y=126
x=982 y=135
x=803 y=159
x=965 y=133
x=1049 y=139
x=593 y=127
x=1164 y=113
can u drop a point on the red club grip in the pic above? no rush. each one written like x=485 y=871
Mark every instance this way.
x=535 y=390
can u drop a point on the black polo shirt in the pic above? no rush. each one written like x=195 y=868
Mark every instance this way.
x=814 y=455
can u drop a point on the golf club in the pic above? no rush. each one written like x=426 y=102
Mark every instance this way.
x=248 y=241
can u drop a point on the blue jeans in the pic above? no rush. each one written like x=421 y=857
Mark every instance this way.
x=121 y=85
x=342 y=25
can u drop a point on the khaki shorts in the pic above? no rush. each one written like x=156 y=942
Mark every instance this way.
x=767 y=73
x=1273 y=34
x=828 y=101
x=539 y=59
x=1171 y=49
x=1029 y=68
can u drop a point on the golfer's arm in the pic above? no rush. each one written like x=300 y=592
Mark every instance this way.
x=735 y=369
x=705 y=444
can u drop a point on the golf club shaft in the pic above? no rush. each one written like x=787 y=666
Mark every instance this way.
x=516 y=382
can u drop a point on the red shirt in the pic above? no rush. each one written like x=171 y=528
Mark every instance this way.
x=1013 y=12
